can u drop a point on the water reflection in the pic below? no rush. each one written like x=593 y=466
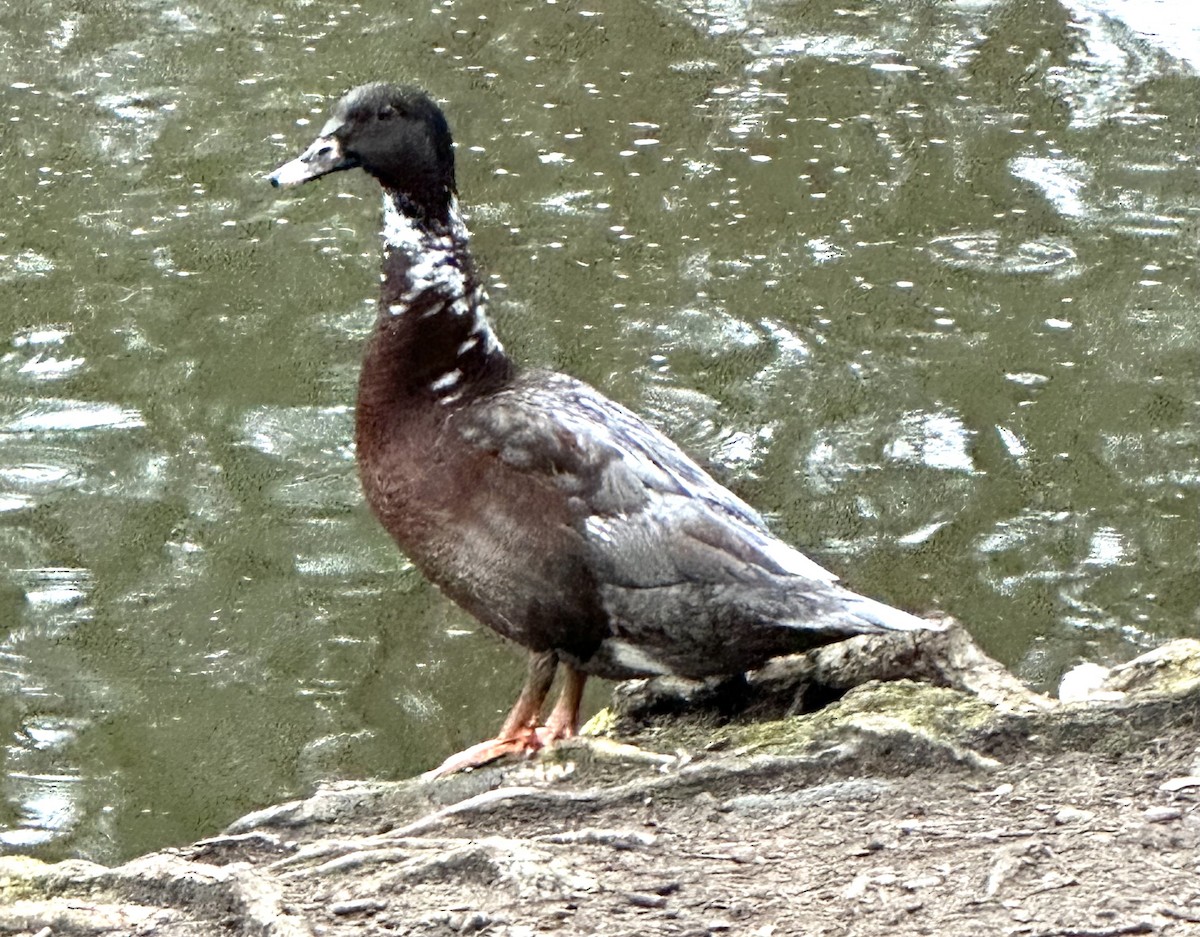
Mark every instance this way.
x=917 y=283
x=936 y=440
x=44 y=710
x=48 y=807
x=992 y=252
x=51 y=415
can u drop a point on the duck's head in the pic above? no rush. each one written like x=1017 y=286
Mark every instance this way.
x=396 y=133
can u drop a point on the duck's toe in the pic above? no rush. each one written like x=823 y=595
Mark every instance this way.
x=522 y=745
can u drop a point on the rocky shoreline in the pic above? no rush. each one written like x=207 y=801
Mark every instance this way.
x=959 y=805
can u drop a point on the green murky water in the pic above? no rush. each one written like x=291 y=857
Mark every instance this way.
x=917 y=279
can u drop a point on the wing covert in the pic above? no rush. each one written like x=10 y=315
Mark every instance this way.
x=651 y=515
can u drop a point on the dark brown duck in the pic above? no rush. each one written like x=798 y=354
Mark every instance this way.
x=552 y=514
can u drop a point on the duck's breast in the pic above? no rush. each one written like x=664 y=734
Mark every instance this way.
x=500 y=542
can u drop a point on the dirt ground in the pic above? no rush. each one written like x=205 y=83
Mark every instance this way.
x=900 y=809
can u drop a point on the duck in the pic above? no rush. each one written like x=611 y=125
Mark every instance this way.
x=553 y=515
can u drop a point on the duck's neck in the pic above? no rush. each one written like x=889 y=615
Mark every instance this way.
x=433 y=344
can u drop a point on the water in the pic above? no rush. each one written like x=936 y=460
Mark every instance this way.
x=917 y=280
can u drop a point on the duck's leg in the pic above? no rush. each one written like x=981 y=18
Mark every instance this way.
x=521 y=733
x=564 y=717
x=526 y=713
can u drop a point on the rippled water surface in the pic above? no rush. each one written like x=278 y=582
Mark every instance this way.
x=918 y=280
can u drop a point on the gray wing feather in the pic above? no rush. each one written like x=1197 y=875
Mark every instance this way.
x=651 y=515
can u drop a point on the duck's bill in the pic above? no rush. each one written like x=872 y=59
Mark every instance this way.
x=323 y=157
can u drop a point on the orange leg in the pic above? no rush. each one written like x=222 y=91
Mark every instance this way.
x=527 y=711
x=564 y=717
x=520 y=733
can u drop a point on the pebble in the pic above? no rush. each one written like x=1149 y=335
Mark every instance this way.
x=357 y=906
x=1162 y=814
x=639 y=900
x=1072 y=815
x=1179 y=784
x=474 y=922
x=857 y=887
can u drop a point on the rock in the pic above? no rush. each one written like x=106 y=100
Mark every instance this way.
x=1162 y=814
x=1084 y=683
x=718 y=820
x=1179 y=784
x=1171 y=669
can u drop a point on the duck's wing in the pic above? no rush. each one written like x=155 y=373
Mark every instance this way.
x=651 y=516
x=690 y=579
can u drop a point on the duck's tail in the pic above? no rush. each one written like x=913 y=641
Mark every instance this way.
x=850 y=614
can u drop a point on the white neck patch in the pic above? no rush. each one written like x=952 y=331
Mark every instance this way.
x=435 y=267
x=434 y=257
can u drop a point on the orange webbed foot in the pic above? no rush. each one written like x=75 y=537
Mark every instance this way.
x=525 y=745
x=520 y=735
